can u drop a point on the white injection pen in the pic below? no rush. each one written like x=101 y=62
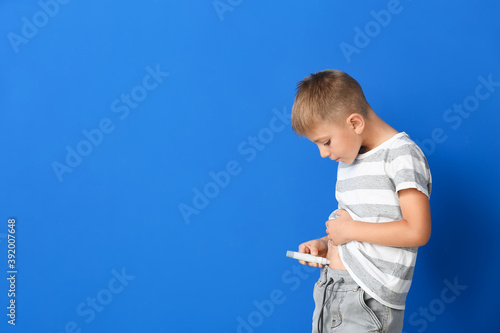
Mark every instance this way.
x=307 y=257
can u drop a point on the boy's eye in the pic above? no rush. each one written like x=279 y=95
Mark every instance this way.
x=327 y=143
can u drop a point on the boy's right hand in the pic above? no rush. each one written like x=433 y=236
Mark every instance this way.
x=316 y=247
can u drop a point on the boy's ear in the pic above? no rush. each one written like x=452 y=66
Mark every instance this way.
x=356 y=122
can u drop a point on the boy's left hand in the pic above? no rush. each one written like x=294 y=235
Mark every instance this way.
x=338 y=229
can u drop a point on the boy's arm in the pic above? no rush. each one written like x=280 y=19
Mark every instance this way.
x=413 y=230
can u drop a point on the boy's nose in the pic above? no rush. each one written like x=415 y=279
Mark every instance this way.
x=324 y=152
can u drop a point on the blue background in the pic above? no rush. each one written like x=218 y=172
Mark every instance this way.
x=232 y=67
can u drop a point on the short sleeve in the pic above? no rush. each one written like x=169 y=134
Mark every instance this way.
x=408 y=168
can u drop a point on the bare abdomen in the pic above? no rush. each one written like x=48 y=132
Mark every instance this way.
x=334 y=257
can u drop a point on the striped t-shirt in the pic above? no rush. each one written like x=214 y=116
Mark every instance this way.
x=368 y=190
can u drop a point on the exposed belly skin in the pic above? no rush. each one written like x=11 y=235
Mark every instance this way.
x=334 y=257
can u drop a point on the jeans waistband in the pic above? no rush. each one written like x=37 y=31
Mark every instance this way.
x=328 y=273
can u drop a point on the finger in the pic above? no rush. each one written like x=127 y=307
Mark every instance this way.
x=303 y=248
x=340 y=212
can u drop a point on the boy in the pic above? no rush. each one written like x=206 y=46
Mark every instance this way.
x=383 y=188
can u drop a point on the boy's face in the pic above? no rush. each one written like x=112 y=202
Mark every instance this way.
x=340 y=142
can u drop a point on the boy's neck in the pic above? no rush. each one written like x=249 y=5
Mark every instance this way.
x=376 y=132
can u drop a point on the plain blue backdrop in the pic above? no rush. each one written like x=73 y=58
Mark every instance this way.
x=149 y=162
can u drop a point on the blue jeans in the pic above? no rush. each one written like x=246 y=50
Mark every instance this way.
x=342 y=306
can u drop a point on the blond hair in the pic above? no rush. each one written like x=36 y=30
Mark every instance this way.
x=329 y=95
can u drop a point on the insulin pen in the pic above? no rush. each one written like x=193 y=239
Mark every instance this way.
x=307 y=257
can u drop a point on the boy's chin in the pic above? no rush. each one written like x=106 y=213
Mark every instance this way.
x=345 y=160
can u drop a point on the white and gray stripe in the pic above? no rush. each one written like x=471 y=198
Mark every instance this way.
x=367 y=189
